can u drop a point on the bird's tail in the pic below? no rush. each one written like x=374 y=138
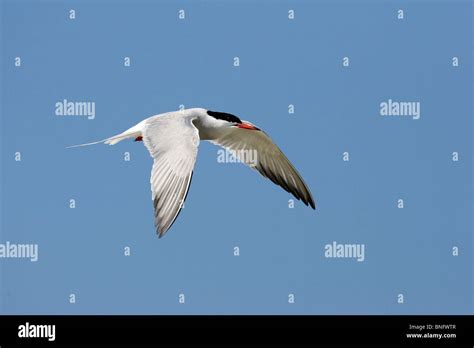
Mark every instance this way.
x=130 y=133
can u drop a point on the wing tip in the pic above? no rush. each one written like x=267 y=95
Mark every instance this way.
x=161 y=231
x=309 y=202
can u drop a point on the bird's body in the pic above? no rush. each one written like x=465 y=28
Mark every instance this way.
x=172 y=139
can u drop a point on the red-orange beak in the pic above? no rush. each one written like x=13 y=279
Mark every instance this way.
x=245 y=125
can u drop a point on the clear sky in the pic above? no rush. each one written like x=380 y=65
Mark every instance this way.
x=422 y=251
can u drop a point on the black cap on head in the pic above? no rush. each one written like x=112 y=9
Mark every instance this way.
x=224 y=116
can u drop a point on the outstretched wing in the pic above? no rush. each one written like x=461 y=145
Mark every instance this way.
x=173 y=144
x=255 y=148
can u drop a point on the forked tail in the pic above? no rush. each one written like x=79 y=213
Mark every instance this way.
x=113 y=140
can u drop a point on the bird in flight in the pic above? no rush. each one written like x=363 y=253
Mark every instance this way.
x=172 y=139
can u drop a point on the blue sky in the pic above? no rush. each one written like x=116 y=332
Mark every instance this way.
x=408 y=251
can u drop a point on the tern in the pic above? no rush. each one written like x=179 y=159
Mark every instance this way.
x=172 y=138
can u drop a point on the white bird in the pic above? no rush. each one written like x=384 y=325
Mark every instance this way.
x=172 y=139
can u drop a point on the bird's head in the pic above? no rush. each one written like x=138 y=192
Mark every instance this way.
x=230 y=120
